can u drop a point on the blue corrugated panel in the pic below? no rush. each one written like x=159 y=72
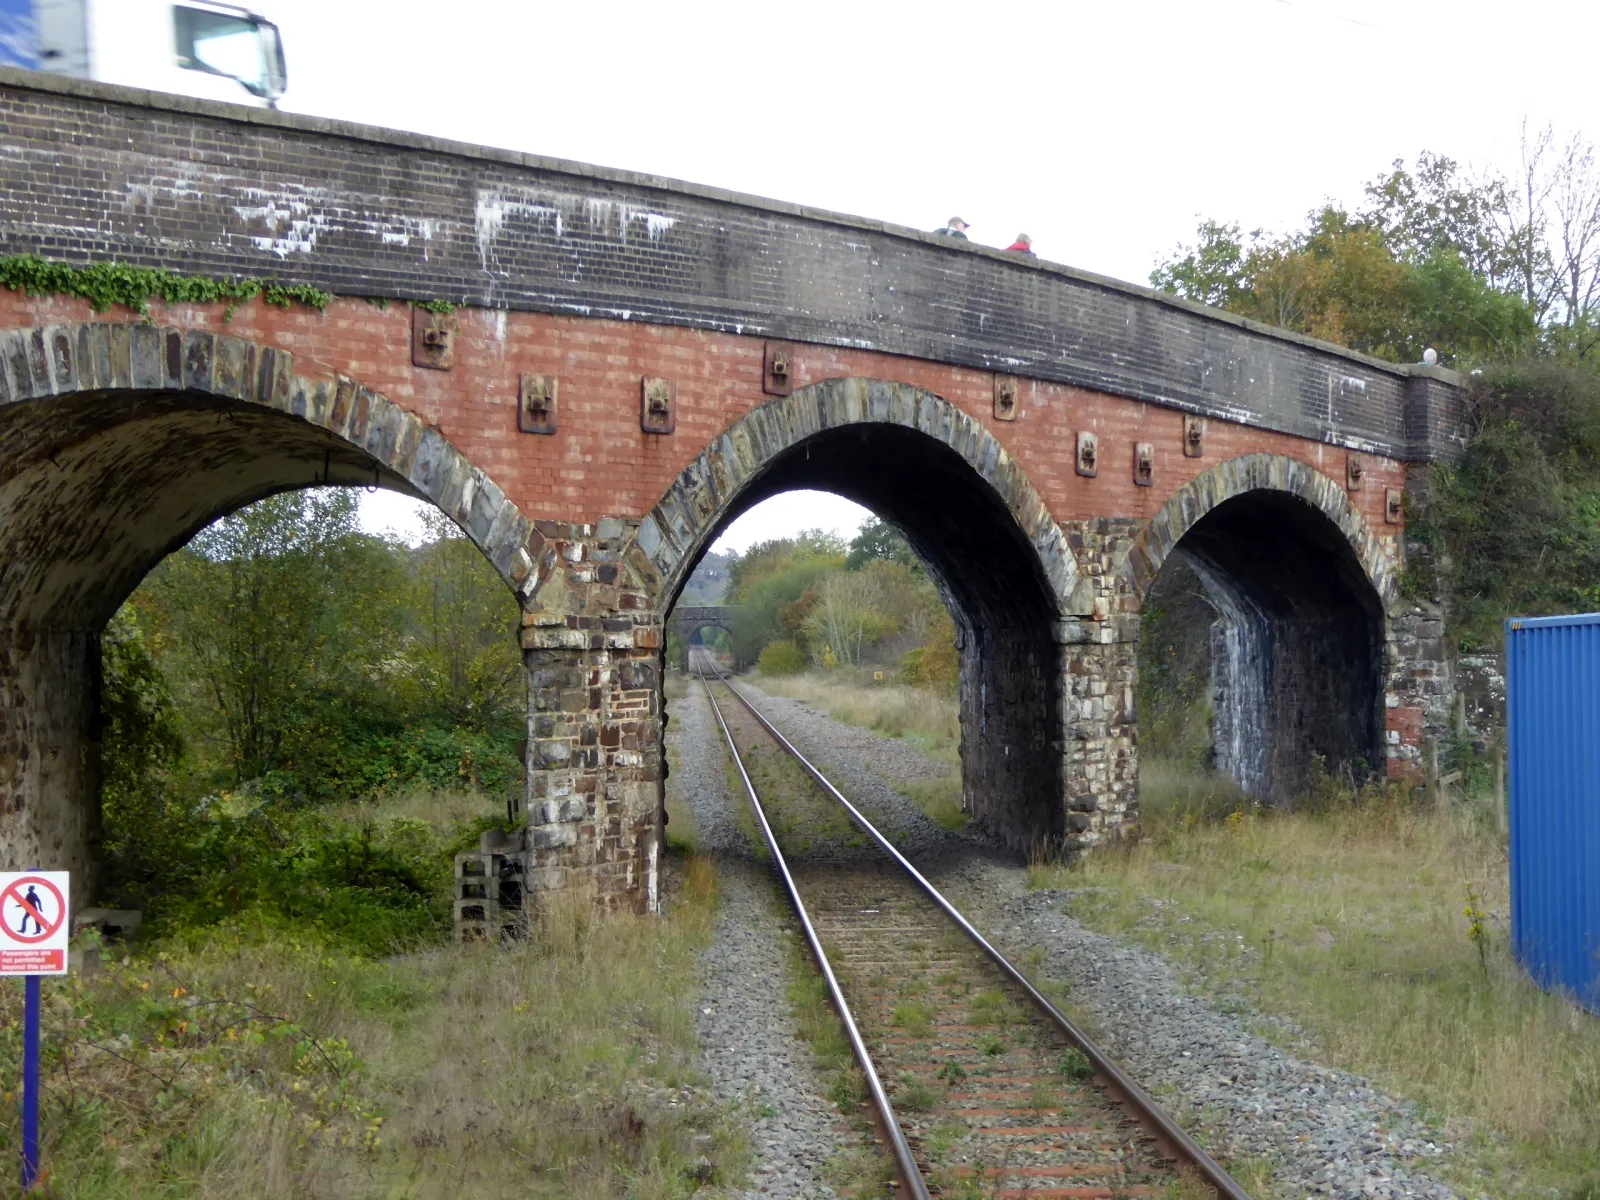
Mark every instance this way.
x=1553 y=747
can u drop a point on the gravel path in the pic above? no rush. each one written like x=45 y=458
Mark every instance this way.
x=1326 y=1132
x=749 y=1046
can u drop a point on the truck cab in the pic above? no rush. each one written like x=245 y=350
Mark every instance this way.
x=197 y=48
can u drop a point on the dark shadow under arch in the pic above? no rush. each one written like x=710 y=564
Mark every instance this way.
x=940 y=478
x=1296 y=627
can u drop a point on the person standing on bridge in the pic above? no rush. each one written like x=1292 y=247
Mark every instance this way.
x=955 y=227
x=1023 y=245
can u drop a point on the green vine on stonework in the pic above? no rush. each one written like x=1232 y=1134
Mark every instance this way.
x=105 y=285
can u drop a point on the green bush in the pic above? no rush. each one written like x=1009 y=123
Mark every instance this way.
x=343 y=749
x=936 y=666
x=369 y=887
x=1515 y=525
x=781 y=658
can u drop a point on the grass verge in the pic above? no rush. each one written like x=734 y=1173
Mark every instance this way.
x=246 y=1060
x=1351 y=921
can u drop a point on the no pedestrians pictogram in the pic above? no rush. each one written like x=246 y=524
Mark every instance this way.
x=33 y=923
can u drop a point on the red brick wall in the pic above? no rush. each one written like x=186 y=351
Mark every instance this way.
x=601 y=464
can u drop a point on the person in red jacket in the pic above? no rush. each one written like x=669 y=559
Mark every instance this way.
x=1023 y=245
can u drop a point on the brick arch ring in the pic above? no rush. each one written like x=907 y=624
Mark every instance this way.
x=682 y=524
x=44 y=362
x=1251 y=473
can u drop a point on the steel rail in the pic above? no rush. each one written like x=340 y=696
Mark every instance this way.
x=1174 y=1141
x=909 y=1172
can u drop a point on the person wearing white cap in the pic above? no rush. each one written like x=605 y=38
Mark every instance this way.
x=955 y=227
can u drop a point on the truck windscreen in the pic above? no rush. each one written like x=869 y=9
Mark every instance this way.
x=224 y=44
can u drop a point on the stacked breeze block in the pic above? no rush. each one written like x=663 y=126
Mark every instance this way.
x=488 y=903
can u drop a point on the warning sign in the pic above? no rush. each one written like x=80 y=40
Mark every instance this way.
x=33 y=923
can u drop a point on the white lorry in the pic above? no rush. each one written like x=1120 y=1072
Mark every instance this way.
x=191 y=47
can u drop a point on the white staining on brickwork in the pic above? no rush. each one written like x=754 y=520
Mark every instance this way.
x=558 y=214
x=656 y=224
x=295 y=218
x=495 y=206
x=603 y=214
x=652 y=885
x=292 y=224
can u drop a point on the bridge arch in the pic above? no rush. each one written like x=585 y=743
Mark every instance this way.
x=1002 y=564
x=120 y=441
x=1300 y=588
x=1192 y=502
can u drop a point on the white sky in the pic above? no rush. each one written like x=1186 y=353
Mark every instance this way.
x=1101 y=129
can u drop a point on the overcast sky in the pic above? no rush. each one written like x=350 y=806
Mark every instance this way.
x=1103 y=130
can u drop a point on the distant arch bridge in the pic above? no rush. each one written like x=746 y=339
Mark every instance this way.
x=688 y=620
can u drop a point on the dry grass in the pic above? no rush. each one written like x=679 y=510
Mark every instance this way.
x=940 y=798
x=675 y=684
x=251 y=1066
x=1350 y=922
x=929 y=721
x=443 y=809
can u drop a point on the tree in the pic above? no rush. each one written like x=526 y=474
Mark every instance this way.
x=1418 y=268
x=878 y=540
x=905 y=597
x=1431 y=210
x=1213 y=271
x=139 y=725
x=463 y=660
x=1534 y=234
x=773 y=557
x=271 y=611
x=770 y=577
x=847 y=617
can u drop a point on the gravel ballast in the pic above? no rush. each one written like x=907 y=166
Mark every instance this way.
x=1325 y=1132
x=749 y=1045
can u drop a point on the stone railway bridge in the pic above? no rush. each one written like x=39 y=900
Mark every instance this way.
x=632 y=363
x=688 y=620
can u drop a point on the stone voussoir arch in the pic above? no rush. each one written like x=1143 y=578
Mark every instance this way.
x=1251 y=473
x=38 y=363
x=679 y=527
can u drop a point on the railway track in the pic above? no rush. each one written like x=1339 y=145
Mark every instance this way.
x=979 y=1084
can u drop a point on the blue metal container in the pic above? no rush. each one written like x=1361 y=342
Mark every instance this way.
x=1553 y=766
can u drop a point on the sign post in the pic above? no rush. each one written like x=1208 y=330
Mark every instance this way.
x=30 y=1084
x=33 y=942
